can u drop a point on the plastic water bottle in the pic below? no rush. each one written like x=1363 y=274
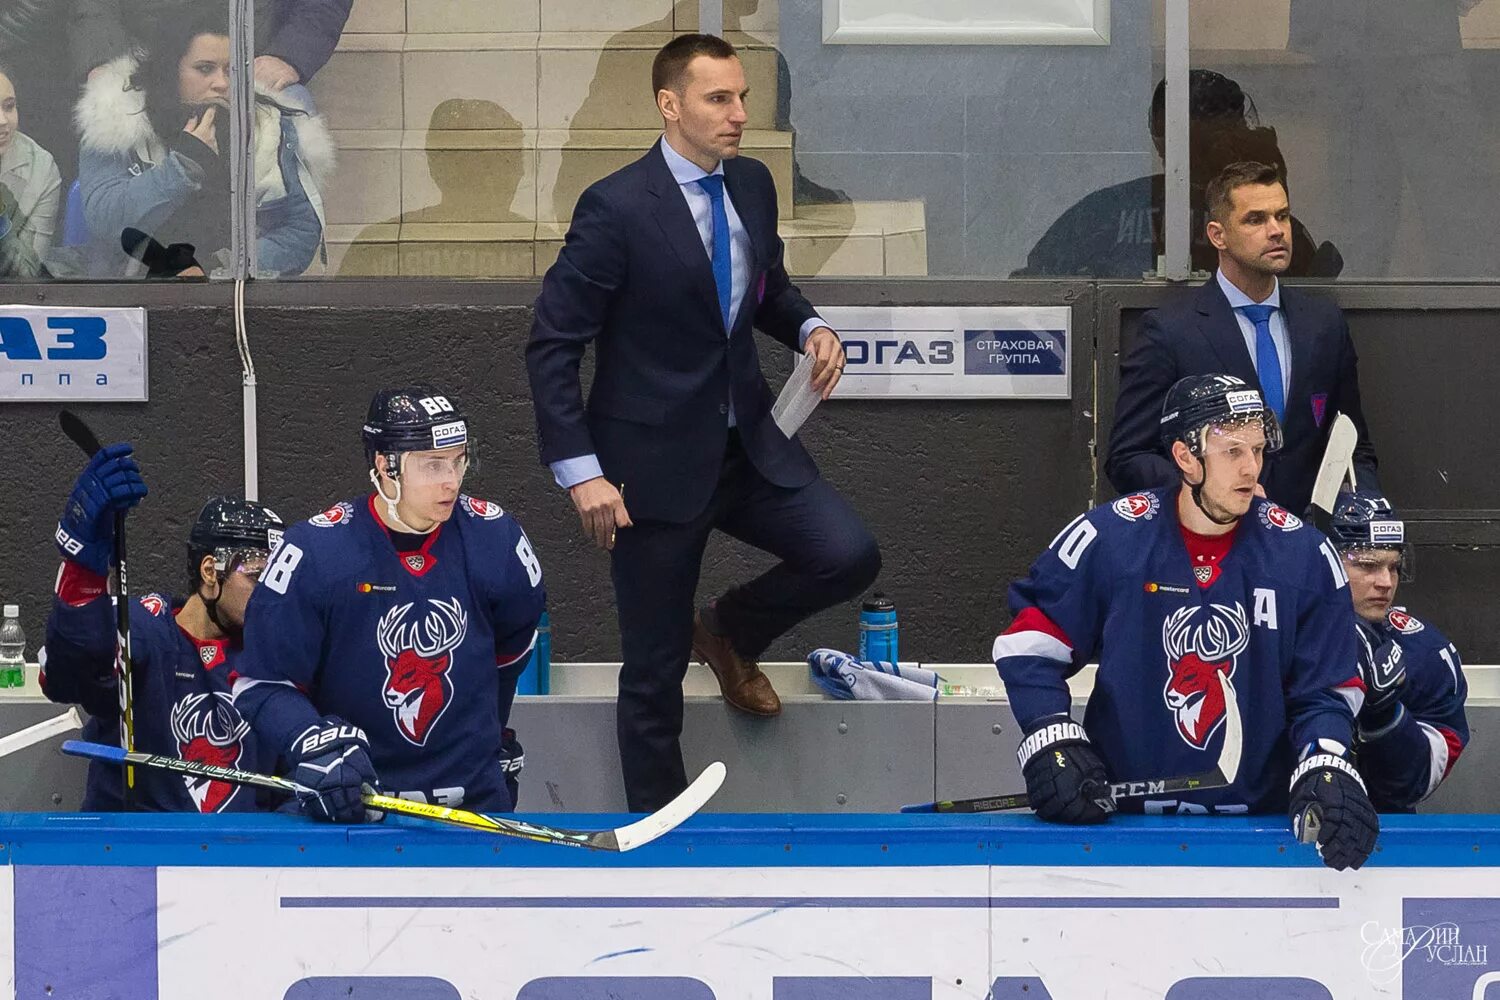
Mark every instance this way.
x=12 y=649
x=878 y=635
x=536 y=678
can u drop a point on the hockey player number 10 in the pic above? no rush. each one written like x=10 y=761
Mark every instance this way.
x=1072 y=540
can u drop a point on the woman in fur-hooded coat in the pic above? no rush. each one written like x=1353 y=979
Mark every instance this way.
x=155 y=157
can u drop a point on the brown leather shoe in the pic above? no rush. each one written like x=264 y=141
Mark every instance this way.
x=741 y=681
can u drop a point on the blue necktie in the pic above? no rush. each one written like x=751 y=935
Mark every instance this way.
x=723 y=275
x=1267 y=360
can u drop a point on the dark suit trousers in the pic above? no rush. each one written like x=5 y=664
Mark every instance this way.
x=827 y=556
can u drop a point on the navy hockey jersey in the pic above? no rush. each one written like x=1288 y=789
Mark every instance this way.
x=1405 y=762
x=1276 y=620
x=420 y=649
x=183 y=706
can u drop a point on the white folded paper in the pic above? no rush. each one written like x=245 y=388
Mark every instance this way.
x=798 y=398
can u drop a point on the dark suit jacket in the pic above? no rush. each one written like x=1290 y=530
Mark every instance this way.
x=1200 y=336
x=634 y=279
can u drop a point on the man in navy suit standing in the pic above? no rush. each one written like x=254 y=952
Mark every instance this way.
x=668 y=265
x=1243 y=322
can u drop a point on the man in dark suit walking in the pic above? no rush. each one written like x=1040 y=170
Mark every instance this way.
x=1243 y=322
x=668 y=265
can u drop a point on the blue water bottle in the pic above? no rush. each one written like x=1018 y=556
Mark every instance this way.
x=878 y=635
x=536 y=678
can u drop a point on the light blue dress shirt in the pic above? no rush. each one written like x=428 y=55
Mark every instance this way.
x=1237 y=299
x=571 y=471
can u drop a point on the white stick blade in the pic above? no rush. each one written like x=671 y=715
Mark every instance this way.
x=674 y=813
x=1338 y=460
x=65 y=723
x=1234 y=736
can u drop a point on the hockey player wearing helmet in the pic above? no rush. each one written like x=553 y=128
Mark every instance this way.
x=184 y=650
x=1412 y=728
x=392 y=627
x=1189 y=596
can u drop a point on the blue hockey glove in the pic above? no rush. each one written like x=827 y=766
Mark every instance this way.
x=110 y=483
x=1383 y=669
x=1065 y=779
x=333 y=760
x=1330 y=807
x=512 y=760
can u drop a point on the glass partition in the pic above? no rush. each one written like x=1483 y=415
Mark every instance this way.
x=1381 y=113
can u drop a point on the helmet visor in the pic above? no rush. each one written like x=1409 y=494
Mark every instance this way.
x=433 y=468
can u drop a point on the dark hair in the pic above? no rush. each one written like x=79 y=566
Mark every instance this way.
x=1216 y=199
x=1212 y=97
x=157 y=74
x=671 y=63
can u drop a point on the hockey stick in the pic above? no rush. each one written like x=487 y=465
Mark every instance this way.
x=24 y=738
x=1223 y=774
x=1338 y=461
x=625 y=838
x=78 y=432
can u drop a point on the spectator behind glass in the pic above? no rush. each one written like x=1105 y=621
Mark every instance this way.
x=293 y=38
x=30 y=186
x=1117 y=231
x=166 y=171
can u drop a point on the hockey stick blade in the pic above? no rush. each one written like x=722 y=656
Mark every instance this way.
x=1223 y=774
x=31 y=735
x=78 y=432
x=1338 y=459
x=626 y=838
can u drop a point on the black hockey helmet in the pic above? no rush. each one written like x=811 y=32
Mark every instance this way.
x=414 y=418
x=1200 y=401
x=1364 y=520
x=229 y=529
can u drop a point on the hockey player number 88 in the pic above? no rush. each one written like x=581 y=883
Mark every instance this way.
x=435 y=405
x=528 y=559
x=279 y=573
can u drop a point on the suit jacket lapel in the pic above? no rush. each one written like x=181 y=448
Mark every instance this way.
x=676 y=223
x=745 y=207
x=1298 y=398
x=1218 y=326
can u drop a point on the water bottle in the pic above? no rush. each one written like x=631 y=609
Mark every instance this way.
x=12 y=649
x=877 y=629
x=536 y=678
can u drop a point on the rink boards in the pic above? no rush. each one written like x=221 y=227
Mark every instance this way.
x=752 y=908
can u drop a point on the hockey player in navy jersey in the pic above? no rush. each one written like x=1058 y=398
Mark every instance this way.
x=1412 y=728
x=389 y=631
x=183 y=649
x=1171 y=589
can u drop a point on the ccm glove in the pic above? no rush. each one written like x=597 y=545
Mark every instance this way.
x=111 y=483
x=512 y=759
x=1065 y=779
x=1330 y=807
x=332 y=759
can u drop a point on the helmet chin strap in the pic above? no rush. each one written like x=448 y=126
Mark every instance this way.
x=211 y=606
x=390 y=506
x=1196 y=489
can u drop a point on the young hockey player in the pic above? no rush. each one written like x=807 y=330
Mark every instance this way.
x=184 y=650
x=1173 y=588
x=1412 y=728
x=392 y=627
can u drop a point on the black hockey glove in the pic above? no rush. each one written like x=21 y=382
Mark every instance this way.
x=333 y=760
x=512 y=759
x=1065 y=778
x=1383 y=669
x=1330 y=807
